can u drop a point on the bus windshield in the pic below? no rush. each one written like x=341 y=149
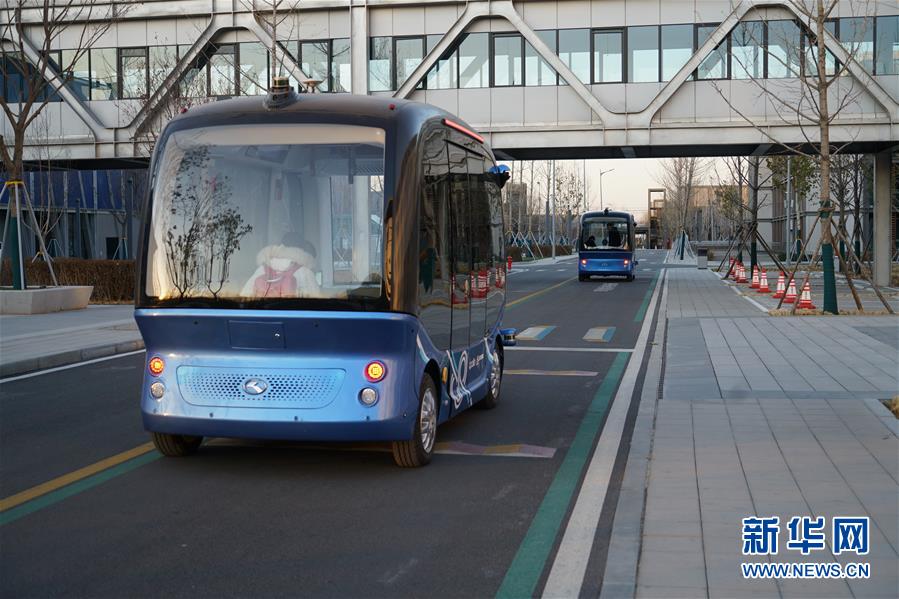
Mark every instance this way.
x=605 y=233
x=259 y=214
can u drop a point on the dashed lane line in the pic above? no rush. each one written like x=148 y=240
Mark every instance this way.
x=536 y=333
x=600 y=334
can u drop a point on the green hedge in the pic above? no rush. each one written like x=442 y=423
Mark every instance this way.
x=113 y=280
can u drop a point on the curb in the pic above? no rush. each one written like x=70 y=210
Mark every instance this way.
x=65 y=358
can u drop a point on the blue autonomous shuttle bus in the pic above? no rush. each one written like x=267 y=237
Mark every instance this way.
x=320 y=267
x=606 y=245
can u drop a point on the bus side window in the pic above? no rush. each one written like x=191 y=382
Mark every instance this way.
x=461 y=245
x=434 y=268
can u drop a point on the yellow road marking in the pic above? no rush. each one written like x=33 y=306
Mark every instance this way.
x=74 y=476
x=536 y=293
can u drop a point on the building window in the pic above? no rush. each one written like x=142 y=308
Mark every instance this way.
x=508 y=65
x=677 y=48
x=133 y=69
x=536 y=70
x=443 y=75
x=857 y=37
x=643 y=54
x=341 y=71
x=409 y=52
x=194 y=83
x=715 y=64
x=473 y=64
x=222 y=71
x=314 y=62
x=253 y=69
x=887 y=59
x=783 y=49
x=574 y=50
x=162 y=60
x=811 y=52
x=104 y=79
x=746 y=43
x=379 y=64
x=78 y=75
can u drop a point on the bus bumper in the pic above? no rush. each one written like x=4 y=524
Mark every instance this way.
x=605 y=266
x=318 y=402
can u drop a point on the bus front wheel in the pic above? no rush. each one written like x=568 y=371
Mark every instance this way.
x=417 y=451
x=176 y=446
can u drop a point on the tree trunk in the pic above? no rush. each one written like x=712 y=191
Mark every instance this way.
x=830 y=283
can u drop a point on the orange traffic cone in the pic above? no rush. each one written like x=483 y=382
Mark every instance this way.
x=733 y=269
x=781 y=286
x=755 y=277
x=790 y=297
x=805 y=302
x=763 y=282
x=741 y=273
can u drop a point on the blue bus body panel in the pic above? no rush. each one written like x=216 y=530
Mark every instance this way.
x=312 y=364
x=605 y=262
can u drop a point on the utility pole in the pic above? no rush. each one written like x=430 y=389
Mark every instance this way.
x=553 y=235
x=601 y=173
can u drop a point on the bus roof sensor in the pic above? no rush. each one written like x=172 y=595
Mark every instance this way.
x=280 y=94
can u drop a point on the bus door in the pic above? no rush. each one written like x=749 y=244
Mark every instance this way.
x=460 y=225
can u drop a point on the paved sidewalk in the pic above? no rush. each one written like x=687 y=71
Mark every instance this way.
x=765 y=416
x=34 y=342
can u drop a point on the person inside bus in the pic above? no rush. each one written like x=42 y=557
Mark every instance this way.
x=614 y=236
x=285 y=270
x=591 y=242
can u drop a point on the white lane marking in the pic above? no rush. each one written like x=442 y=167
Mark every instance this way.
x=540 y=270
x=567 y=574
x=67 y=366
x=561 y=270
x=600 y=350
x=551 y=372
x=606 y=287
x=749 y=299
x=535 y=333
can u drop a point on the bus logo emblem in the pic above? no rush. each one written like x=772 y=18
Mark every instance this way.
x=255 y=386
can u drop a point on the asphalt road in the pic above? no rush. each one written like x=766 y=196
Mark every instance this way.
x=246 y=518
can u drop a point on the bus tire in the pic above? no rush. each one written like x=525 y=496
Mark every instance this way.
x=631 y=277
x=494 y=385
x=417 y=451
x=582 y=278
x=176 y=446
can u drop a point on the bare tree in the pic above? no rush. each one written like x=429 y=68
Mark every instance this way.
x=30 y=30
x=679 y=177
x=822 y=92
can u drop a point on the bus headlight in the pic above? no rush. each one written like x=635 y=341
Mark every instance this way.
x=157 y=390
x=584 y=262
x=368 y=396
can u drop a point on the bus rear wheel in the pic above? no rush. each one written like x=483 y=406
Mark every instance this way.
x=176 y=446
x=417 y=451
x=494 y=382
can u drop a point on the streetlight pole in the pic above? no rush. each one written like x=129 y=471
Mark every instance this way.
x=601 y=173
x=553 y=236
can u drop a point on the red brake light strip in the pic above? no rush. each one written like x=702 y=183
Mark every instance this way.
x=461 y=129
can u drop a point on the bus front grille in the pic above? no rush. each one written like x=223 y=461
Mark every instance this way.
x=259 y=387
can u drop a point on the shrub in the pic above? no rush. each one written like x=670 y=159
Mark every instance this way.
x=113 y=280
